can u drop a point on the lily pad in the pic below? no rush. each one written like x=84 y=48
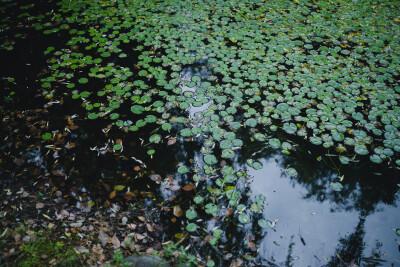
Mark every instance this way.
x=244 y=218
x=183 y=169
x=336 y=186
x=191 y=227
x=191 y=214
x=210 y=159
x=274 y=143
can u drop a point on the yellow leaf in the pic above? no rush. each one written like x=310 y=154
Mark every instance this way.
x=119 y=187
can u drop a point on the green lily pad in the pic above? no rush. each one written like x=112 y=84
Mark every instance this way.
x=292 y=172
x=211 y=208
x=155 y=138
x=137 y=109
x=274 y=143
x=191 y=214
x=361 y=150
x=263 y=223
x=336 y=186
x=244 y=218
x=375 y=159
x=186 y=132
x=210 y=159
x=166 y=127
x=183 y=169
x=191 y=227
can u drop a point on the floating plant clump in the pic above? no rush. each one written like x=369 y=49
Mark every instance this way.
x=325 y=72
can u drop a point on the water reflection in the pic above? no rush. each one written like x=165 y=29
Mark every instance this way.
x=317 y=225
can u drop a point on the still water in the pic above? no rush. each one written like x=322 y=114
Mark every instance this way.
x=312 y=227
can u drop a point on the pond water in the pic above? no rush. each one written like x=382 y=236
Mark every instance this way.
x=312 y=225
x=269 y=156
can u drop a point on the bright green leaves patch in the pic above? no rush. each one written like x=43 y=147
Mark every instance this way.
x=47 y=136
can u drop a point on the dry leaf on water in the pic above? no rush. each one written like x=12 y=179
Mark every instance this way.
x=188 y=187
x=178 y=211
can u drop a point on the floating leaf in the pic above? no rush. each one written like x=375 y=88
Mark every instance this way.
x=211 y=208
x=274 y=143
x=117 y=147
x=183 y=169
x=361 y=150
x=155 y=138
x=210 y=159
x=336 y=186
x=186 y=132
x=188 y=187
x=166 y=127
x=244 y=218
x=47 y=136
x=191 y=214
x=263 y=223
x=177 y=211
x=119 y=187
x=292 y=172
x=191 y=227
x=375 y=159
x=137 y=109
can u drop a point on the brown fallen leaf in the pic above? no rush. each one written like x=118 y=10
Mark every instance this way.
x=178 y=211
x=140 y=236
x=171 y=141
x=115 y=241
x=113 y=194
x=17 y=236
x=103 y=237
x=228 y=212
x=136 y=168
x=69 y=145
x=150 y=228
x=39 y=205
x=188 y=187
x=142 y=218
x=155 y=177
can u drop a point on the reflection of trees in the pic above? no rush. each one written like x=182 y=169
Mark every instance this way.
x=351 y=248
x=364 y=186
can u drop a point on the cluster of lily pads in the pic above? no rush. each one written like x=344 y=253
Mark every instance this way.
x=276 y=65
x=325 y=71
